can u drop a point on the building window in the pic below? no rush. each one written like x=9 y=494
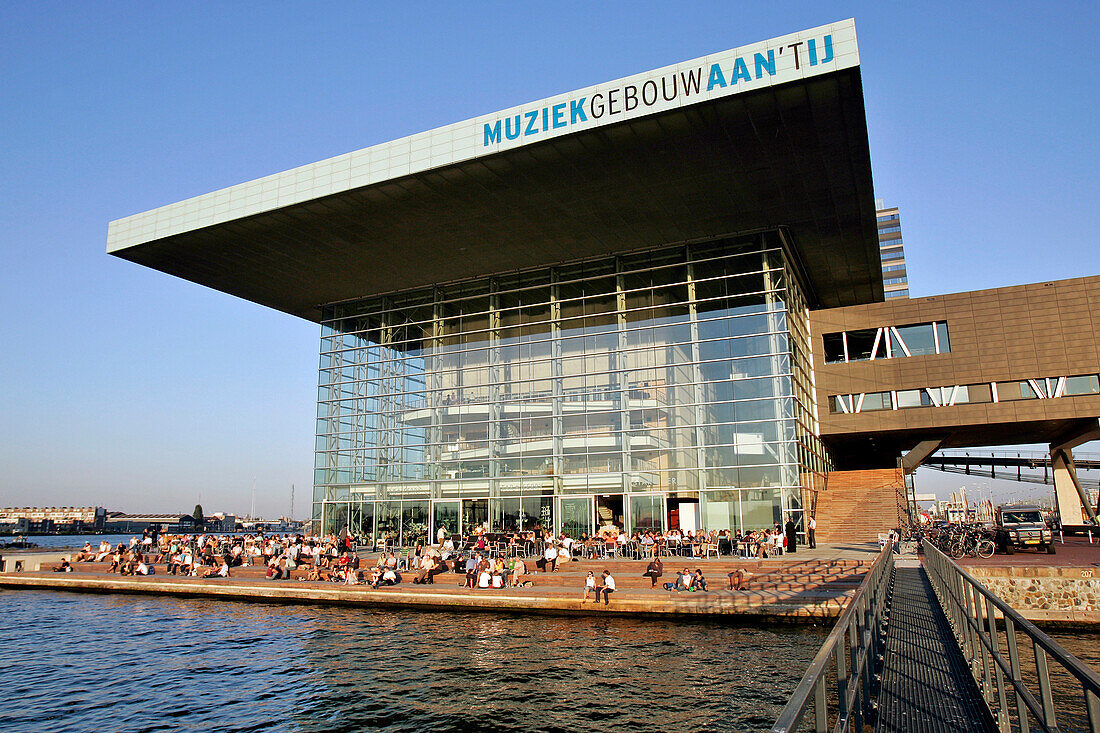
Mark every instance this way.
x=888 y=342
x=1085 y=384
x=861 y=343
x=834 y=348
x=917 y=340
x=868 y=402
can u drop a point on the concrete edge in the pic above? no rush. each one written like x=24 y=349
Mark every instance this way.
x=710 y=605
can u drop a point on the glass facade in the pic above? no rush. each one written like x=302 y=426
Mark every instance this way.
x=598 y=392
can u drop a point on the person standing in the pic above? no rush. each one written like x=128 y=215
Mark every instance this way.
x=792 y=535
x=811 y=530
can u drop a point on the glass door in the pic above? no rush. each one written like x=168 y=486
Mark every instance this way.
x=361 y=521
x=475 y=512
x=647 y=512
x=445 y=517
x=575 y=515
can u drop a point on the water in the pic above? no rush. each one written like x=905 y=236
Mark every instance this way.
x=75 y=662
x=76 y=541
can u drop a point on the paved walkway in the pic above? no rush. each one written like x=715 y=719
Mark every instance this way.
x=926 y=683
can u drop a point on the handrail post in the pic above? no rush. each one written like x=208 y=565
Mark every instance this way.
x=1014 y=670
x=868 y=644
x=854 y=682
x=979 y=618
x=1092 y=704
x=994 y=653
x=1041 y=671
x=821 y=715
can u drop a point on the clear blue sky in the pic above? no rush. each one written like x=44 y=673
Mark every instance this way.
x=128 y=388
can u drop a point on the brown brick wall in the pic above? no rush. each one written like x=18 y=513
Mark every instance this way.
x=1005 y=334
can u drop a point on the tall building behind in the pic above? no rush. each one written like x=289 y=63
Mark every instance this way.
x=891 y=249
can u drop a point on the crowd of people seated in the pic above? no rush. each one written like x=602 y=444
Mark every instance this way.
x=213 y=556
x=486 y=560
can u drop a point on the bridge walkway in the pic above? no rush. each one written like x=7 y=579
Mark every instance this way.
x=926 y=682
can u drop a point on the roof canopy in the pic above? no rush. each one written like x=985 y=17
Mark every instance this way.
x=791 y=154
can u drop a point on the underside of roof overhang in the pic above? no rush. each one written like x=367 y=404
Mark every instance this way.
x=793 y=156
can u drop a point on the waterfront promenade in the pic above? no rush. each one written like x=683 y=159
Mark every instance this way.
x=803 y=587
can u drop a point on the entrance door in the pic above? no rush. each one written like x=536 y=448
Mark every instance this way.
x=445 y=515
x=575 y=514
x=609 y=513
x=475 y=512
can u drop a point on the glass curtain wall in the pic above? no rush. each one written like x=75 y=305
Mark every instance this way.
x=677 y=372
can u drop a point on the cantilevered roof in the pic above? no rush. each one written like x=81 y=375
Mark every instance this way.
x=770 y=135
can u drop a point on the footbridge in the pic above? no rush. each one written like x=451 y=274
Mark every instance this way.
x=1027 y=467
x=923 y=646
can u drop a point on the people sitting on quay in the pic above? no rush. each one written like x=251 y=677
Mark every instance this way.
x=549 y=561
x=518 y=571
x=430 y=567
x=64 y=567
x=655 y=569
x=606 y=586
x=685 y=581
x=471 y=570
x=222 y=571
x=737 y=579
x=589 y=585
x=384 y=577
x=699 y=582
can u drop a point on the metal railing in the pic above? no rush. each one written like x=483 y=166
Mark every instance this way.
x=995 y=659
x=847 y=658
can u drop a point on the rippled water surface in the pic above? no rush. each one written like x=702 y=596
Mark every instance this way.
x=125 y=663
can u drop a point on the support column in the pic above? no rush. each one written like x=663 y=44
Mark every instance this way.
x=617 y=369
x=1073 y=503
x=558 y=423
x=495 y=390
x=699 y=391
x=434 y=386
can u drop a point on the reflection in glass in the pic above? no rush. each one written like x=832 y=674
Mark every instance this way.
x=676 y=370
x=576 y=515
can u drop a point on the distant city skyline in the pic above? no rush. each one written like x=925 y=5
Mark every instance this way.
x=125 y=387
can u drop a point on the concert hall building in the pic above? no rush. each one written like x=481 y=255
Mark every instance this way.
x=654 y=302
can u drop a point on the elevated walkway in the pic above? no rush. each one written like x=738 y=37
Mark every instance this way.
x=926 y=682
x=919 y=649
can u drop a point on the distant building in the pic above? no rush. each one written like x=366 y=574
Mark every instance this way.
x=43 y=520
x=121 y=523
x=282 y=525
x=895 y=280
